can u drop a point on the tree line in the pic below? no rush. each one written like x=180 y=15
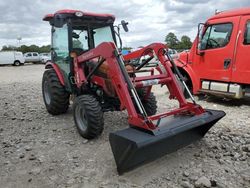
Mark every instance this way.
x=173 y=42
x=25 y=48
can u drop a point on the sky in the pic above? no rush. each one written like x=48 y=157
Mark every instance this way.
x=149 y=20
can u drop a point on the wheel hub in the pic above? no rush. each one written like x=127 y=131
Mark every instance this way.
x=81 y=117
x=46 y=92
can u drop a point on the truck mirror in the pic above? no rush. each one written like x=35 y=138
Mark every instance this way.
x=124 y=25
x=199 y=39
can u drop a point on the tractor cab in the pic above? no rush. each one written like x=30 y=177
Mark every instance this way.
x=82 y=31
x=75 y=32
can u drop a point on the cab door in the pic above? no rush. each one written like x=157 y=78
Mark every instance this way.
x=35 y=57
x=60 y=51
x=217 y=49
x=28 y=57
x=241 y=66
x=60 y=48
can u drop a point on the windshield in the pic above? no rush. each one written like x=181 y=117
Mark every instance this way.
x=103 y=34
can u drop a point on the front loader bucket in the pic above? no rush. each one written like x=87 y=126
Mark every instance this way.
x=132 y=147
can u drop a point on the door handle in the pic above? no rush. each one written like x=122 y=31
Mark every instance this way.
x=227 y=63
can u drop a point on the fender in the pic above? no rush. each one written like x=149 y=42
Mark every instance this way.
x=193 y=76
x=54 y=66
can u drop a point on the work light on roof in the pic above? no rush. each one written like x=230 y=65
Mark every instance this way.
x=79 y=14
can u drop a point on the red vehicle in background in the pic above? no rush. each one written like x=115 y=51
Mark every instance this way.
x=219 y=60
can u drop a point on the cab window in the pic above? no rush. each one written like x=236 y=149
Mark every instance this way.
x=80 y=40
x=216 y=36
x=103 y=34
x=60 y=42
x=247 y=34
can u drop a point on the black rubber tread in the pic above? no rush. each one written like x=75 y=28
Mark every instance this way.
x=59 y=96
x=93 y=114
x=17 y=63
x=150 y=104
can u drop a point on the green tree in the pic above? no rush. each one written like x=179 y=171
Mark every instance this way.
x=186 y=42
x=45 y=49
x=8 y=48
x=171 y=40
x=25 y=48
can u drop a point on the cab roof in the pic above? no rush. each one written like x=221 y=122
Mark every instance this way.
x=230 y=13
x=48 y=17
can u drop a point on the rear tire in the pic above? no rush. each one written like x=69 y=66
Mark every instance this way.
x=17 y=63
x=88 y=116
x=150 y=104
x=55 y=97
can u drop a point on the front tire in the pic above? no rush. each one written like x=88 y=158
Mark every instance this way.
x=149 y=104
x=88 y=116
x=55 y=97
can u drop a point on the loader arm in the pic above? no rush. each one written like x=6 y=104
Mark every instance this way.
x=157 y=50
x=124 y=87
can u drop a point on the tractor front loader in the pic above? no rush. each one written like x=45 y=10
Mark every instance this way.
x=88 y=65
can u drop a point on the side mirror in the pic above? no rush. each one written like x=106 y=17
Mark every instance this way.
x=199 y=48
x=124 y=25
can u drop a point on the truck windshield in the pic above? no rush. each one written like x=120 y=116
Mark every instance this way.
x=103 y=34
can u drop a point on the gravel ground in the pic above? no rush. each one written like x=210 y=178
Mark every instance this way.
x=41 y=150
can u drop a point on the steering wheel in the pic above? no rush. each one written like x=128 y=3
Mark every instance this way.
x=212 y=43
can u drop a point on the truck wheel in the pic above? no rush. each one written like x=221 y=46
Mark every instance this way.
x=150 y=104
x=55 y=97
x=17 y=63
x=88 y=116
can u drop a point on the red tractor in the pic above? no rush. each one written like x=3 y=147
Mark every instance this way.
x=87 y=65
